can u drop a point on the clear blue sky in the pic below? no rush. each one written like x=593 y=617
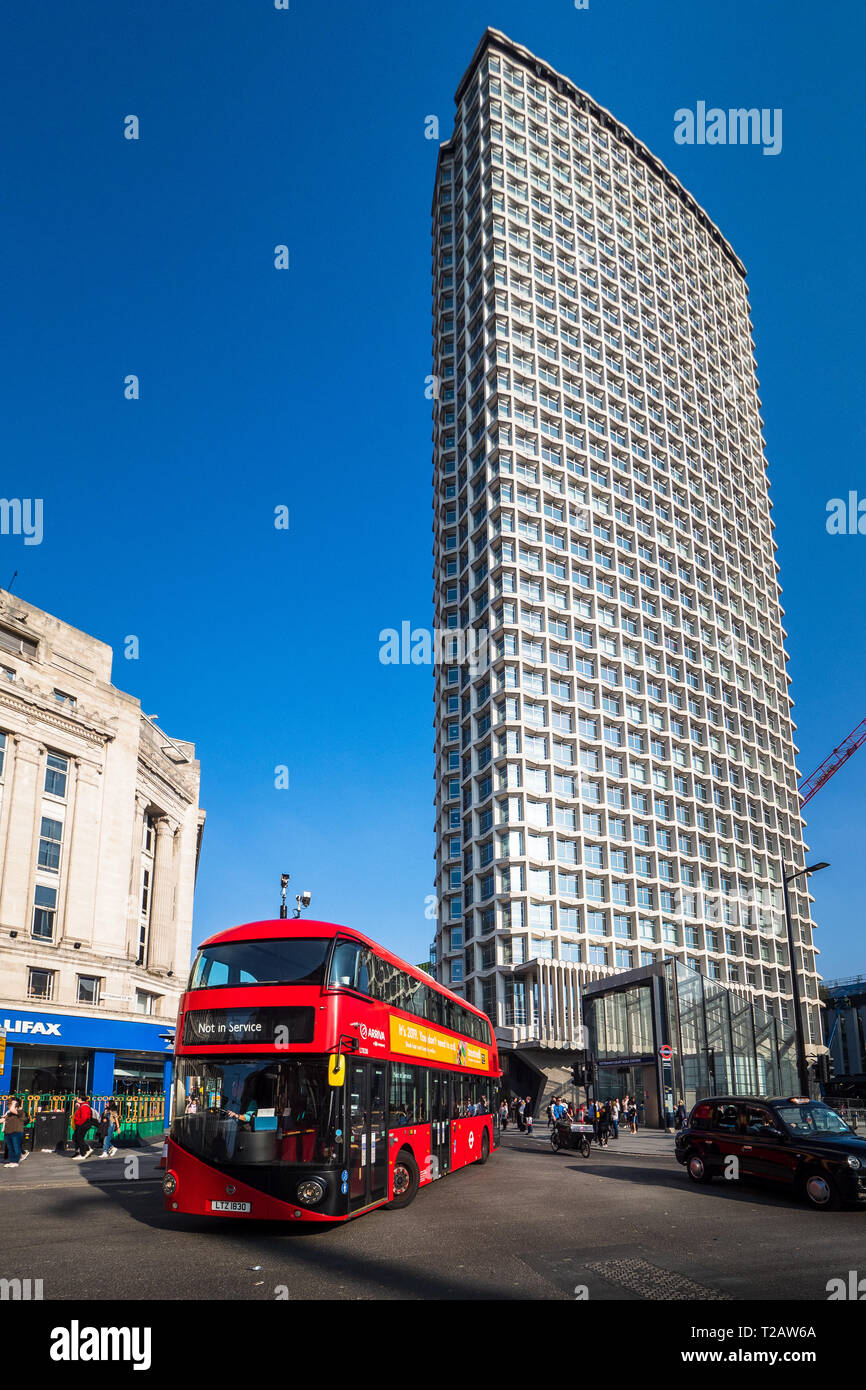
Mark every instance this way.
x=306 y=387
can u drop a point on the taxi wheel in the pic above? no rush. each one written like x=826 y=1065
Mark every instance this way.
x=406 y=1180
x=697 y=1168
x=820 y=1191
x=485 y=1148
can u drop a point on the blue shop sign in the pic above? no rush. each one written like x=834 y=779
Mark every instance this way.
x=80 y=1030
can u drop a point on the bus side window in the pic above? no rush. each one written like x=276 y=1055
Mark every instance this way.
x=434 y=1006
x=366 y=972
x=457 y=1094
x=345 y=965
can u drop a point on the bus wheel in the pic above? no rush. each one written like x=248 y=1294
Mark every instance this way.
x=406 y=1180
x=485 y=1148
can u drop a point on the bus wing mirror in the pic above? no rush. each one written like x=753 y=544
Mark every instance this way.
x=336 y=1070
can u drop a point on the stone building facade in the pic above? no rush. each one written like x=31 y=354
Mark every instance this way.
x=100 y=832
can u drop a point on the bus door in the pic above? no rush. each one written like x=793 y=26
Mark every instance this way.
x=440 y=1123
x=368 y=1139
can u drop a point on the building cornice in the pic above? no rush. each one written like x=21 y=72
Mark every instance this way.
x=77 y=725
x=176 y=788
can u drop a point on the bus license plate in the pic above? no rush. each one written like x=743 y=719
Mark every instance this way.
x=231 y=1206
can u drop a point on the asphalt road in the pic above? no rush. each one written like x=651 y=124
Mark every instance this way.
x=625 y=1224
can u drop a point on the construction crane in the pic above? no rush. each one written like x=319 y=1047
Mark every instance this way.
x=831 y=764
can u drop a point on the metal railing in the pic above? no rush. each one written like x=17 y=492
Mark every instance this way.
x=140 y=1115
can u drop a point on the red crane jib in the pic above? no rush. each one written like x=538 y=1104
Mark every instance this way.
x=840 y=755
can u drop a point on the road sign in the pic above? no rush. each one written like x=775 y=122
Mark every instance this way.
x=666 y=1052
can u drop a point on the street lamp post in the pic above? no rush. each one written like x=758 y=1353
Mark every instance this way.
x=799 y=1033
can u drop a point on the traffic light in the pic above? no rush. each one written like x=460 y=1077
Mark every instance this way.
x=825 y=1070
x=578 y=1076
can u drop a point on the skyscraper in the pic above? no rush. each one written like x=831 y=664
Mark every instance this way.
x=615 y=777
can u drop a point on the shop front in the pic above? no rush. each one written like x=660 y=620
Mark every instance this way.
x=65 y=1054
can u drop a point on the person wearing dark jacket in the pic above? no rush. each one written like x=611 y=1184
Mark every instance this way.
x=527 y=1114
x=603 y=1123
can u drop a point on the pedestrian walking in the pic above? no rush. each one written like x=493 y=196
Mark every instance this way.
x=527 y=1114
x=503 y=1115
x=82 y=1117
x=109 y=1124
x=614 y=1118
x=13 y=1132
x=680 y=1115
x=521 y=1117
x=603 y=1125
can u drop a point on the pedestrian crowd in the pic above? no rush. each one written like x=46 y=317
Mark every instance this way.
x=605 y=1116
x=517 y=1111
x=15 y=1125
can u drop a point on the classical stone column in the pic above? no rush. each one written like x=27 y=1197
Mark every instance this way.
x=160 y=951
x=133 y=902
x=82 y=831
x=23 y=793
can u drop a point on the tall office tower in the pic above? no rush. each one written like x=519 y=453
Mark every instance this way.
x=618 y=784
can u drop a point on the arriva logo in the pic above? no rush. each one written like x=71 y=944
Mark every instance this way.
x=375 y=1034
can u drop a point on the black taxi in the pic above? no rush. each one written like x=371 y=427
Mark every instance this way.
x=797 y=1144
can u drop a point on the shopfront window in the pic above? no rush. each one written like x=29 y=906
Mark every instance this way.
x=49 y=1071
x=136 y=1076
x=257 y=1112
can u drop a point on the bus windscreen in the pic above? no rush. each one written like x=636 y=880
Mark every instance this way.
x=298 y=961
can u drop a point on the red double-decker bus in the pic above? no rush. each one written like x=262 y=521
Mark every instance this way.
x=318 y=1076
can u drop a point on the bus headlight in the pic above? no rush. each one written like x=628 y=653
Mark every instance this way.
x=853 y=1162
x=310 y=1191
x=169 y=1184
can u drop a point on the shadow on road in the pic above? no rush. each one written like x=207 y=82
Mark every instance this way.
x=330 y=1251
x=743 y=1190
